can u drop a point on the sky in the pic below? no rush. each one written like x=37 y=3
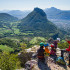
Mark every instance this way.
x=31 y=4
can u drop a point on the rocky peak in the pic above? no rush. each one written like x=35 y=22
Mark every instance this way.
x=40 y=11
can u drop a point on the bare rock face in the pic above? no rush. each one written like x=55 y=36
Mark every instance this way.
x=20 y=69
x=29 y=65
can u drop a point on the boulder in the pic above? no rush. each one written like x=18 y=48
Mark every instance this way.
x=29 y=65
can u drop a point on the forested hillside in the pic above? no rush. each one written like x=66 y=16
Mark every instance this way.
x=4 y=17
x=37 y=23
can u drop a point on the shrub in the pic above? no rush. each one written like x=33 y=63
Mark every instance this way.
x=24 y=57
x=8 y=61
x=63 y=45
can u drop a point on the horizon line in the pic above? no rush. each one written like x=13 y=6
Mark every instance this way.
x=31 y=9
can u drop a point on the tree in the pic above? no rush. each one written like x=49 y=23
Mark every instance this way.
x=23 y=46
x=63 y=45
x=24 y=57
x=8 y=61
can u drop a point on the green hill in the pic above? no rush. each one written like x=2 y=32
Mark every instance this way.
x=37 y=40
x=37 y=23
x=4 y=17
x=6 y=24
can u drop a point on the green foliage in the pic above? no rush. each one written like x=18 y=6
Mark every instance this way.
x=8 y=61
x=7 y=18
x=23 y=46
x=63 y=45
x=6 y=48
x=37 y=40
x=5 y=31
x=9 y=45
x=6 y=24
x=9 y=42
x=16 y=31
x=24 y=57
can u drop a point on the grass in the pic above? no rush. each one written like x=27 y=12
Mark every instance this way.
x=6 y=48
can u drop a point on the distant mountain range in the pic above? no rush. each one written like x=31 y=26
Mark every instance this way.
x=17 y=13
x=52 y=13
x=35 y=23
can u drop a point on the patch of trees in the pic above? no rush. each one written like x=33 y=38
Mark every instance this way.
x=63 y=45
x=11 y=43
x=9 y=61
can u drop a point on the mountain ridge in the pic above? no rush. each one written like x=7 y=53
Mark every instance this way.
x=54 y=13
x=37 y=23
x=7 y=17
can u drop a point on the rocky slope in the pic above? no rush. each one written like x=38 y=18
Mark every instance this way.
x=51 y=65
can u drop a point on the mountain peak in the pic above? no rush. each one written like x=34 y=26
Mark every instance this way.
x=40 y=11
x=52 y=9
x=37 y=23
